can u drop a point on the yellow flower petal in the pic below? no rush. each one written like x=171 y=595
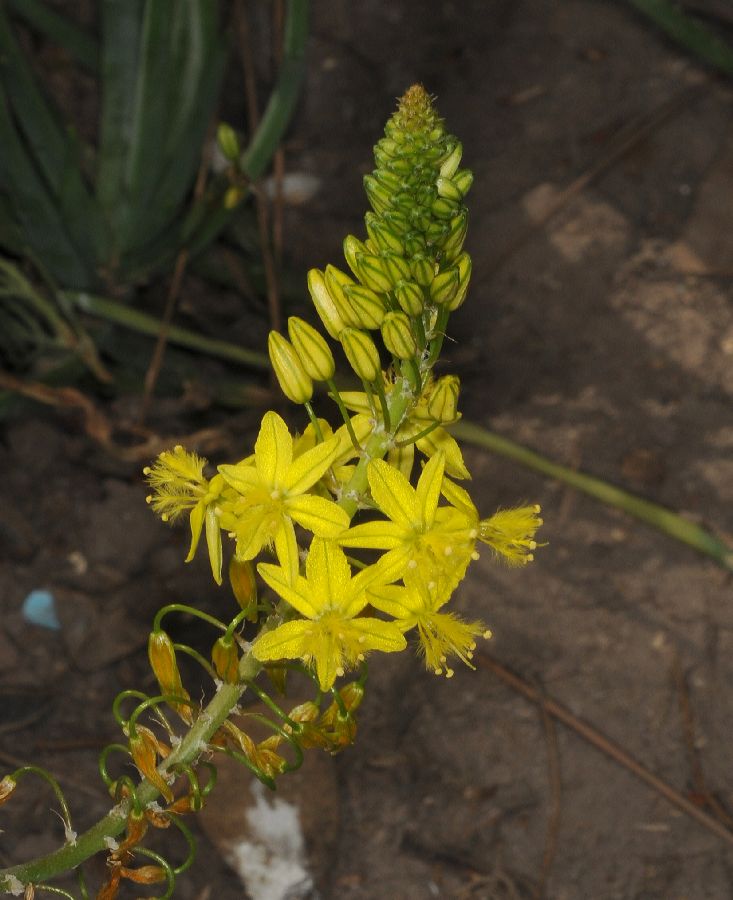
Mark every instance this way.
x=213 y=543
x=380 y=534
x=285 y=642
x=439 y=439
x=428 y=487
x=310 y=467
x=328 y=572
x=379 y=635
x=273 y=449
x=242 y=477
x=297 y=594
x=286 y=548
x=196 y=521
x=393 y=493
x=323 y=517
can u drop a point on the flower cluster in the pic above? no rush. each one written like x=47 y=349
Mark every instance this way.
x=383 y=484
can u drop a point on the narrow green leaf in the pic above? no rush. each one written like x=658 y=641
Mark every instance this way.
x=59 y=29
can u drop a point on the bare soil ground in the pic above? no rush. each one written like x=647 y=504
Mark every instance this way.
x=603 y=340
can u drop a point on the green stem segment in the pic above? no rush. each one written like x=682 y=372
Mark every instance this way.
x=113 y=824
x=664 y=520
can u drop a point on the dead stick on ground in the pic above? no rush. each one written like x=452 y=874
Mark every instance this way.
x=604 y=744
x=628 y=137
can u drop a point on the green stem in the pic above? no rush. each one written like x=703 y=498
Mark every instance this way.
x=113 y=824
x=120 y=314
x=336 y=397
x=664 y=520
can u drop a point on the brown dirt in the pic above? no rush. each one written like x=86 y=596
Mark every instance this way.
x=603 y=340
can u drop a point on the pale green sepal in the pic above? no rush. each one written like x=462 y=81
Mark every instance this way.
x=196 y=521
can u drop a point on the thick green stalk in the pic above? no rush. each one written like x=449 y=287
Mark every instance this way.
x=187 y=752
x=664 y=520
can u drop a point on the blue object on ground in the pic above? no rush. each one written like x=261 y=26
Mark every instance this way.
x=39 y=608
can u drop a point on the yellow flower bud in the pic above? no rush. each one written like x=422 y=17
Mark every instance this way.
x=368 y=307
x=311 y=347
x=353 y=248
x=411 y=298
x=323 y=301
x=453 y=240
x=294 y=381
x=244 y=584
x=452 y=161
x=395 y=268
x=464 y=265
x=444 y=286
x=378 y=196
x=443 y=399
x=226 y=138
x=225 y=658
x=397 y=335
x=337 y=282
x=445 y=208
x=361 y=353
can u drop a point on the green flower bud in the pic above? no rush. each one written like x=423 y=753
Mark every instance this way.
x=452 y=161
x=444 y=208
x=396 y=220
x=396 y=268
x=389 y=181
x=453 y=241
x=379 y=197
x=463 y=181
x=294 y=381
x=381 y=235
x=448 y=189
x=411 y=298
x=323 y=301
x=444 y=286
x=397 y=335
x=311 y=347
x=372 y=272
x=423 y=269
x=368 y=306
x=443 y=400
x=464 y=266
x=362 y=354
x=226 y=138
x=353 y=247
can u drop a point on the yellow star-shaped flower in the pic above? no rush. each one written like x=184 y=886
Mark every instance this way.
x=329 y=636
x=441 y=634
x=418 y=534
x=274 y=493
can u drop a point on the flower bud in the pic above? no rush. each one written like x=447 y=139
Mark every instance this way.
x=353 y=247
x=396 y=220
x=379 y=197
x=361 y=353
x=453 y=240
x=225 y=658
x=383 y=236
x=311 y=347
x=162 y=656
x=448 y=189
x=367 y=306
x=463 y=181
x=443 y=399
x=444 y=286
x=452 y=161
x=423 y=269
x=226 y=138
x=294 y=381
x=411 y=298
x=445 y=208
x=323 y=301
x=464 y=266
x=233 y=196
x=397 y=335
x=396 y=268
x=372 y=272
x=389 y=181
x=244 y=585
